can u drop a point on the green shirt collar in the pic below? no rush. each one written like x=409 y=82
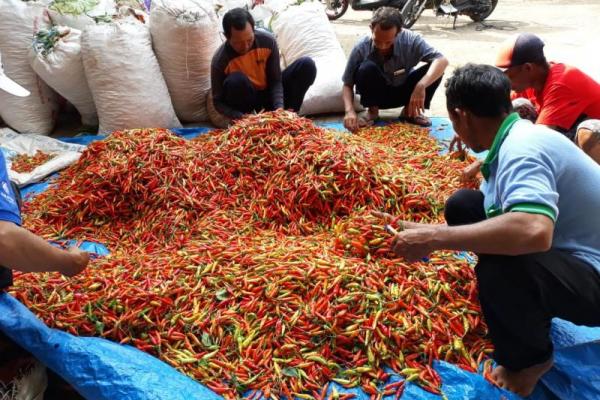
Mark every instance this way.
x=498 y=139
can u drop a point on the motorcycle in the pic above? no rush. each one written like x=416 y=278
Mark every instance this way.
x=411 y=10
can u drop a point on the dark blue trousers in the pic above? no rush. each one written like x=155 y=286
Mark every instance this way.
x=240 y=94
x=520 y=295
x=375 y=91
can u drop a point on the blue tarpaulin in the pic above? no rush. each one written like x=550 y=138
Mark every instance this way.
x=103 y=370
x=98 y=369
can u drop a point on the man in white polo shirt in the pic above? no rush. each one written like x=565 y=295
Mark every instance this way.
x=535 y=226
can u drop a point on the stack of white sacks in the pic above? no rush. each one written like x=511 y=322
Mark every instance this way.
x=122 y=68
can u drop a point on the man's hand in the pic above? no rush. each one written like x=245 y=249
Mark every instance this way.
x=416 y=106
x=414 y=244
x=351 y=121
x=77 y=262
x=471 y=171
x=456 y=142
x=387 y=218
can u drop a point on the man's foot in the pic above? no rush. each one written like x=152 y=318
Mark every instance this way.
x=520 y=382
x=364 y=123
x=373 y=113
x=420 y=120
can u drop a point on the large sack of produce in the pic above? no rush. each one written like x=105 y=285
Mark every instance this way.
x=185 y=35
x=80 y=13
x=125 y=79
x=304 y=31
x=56 y=58
x=35 y=113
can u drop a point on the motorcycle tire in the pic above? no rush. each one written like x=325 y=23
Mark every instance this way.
x=478 y=17
x=335 y=13
x=412 y=17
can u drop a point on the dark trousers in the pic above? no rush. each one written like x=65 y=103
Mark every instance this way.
x=6 y=276
x=240 y=94
x=374 y=90
x=520 y=295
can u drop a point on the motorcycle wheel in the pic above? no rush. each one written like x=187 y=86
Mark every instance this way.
x=335 y=8
x=480 y=16
x=411 y=12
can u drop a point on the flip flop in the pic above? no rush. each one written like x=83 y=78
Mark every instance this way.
x=419 y=120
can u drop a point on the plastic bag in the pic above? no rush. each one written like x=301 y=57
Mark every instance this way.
x=13 y=144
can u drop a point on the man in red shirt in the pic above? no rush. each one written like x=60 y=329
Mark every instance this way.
x=562 y=96
x=557 y=95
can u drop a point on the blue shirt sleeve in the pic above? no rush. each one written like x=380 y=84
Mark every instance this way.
x=423 y=51
x=9 y=209
x=354 y=61
x=526 y=181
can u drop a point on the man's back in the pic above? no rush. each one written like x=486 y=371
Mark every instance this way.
x=544 y=164
x=568 y=94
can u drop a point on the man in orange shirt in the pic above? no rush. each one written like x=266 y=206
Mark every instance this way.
x=561 y=96
x=245 y=71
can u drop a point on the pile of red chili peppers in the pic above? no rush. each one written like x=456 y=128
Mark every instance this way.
x=24 y=163
x=248 y=259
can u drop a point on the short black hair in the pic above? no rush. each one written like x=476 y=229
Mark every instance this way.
x=484 y=90
x=236 y=18
x=387 y=18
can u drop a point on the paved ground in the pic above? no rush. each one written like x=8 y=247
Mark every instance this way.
x=570 y=28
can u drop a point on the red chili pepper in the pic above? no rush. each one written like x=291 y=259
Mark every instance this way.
x=248 y=259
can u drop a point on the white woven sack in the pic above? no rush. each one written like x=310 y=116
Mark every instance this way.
x=185 y=36
x=62 y=69
x=125 y=79
x=305 y=31
x=37 y=112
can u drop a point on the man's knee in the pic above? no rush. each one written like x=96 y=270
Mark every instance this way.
x=588 y=138
x=237 y=82
x=307 y=70
x=366 y=73
x=465 y=206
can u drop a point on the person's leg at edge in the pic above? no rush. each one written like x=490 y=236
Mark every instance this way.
x=520 y=295
x=372 y=87
x=400 y=97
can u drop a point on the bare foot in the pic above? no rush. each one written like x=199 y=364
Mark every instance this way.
x=373 y=113
x=363 y=123
x=520 y=382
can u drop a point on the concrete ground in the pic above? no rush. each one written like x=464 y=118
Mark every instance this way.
x=570 y=29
